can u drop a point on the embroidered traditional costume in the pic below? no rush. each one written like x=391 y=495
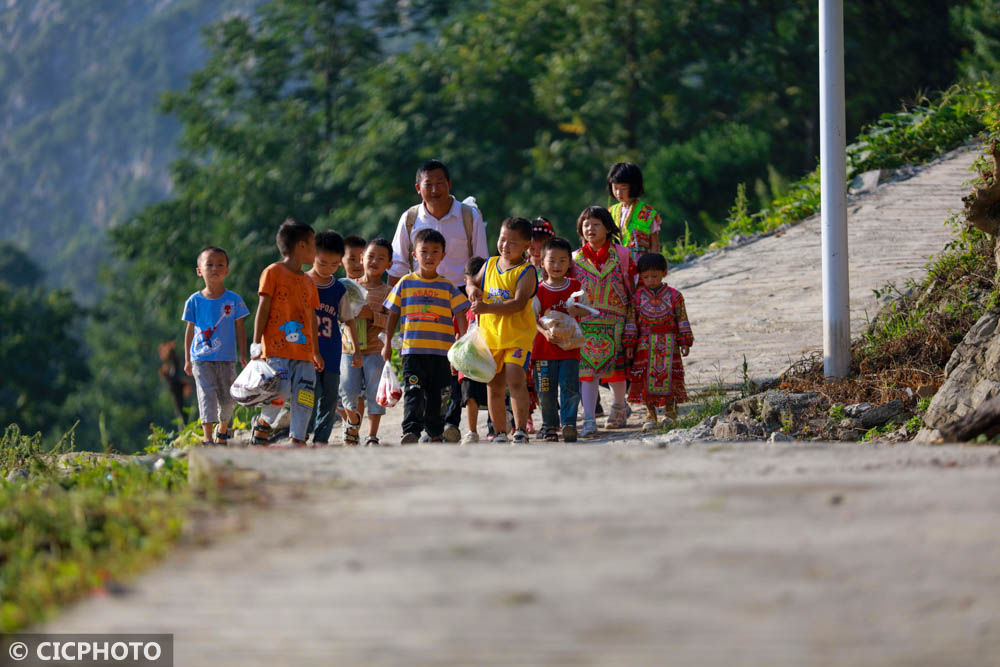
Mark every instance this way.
x=608 y=285
x=640 y=224
x=657 y=372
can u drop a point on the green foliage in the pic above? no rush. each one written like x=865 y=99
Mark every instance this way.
x=68 y=525
x=978 y=21
x=877 y=432
x=41 y=361
x=710 y=402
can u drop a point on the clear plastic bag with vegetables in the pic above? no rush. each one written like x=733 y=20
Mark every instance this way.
x=472 y=357
x=564 y=330
x=354 y=300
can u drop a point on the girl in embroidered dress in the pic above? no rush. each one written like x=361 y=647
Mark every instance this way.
x=607 y=273
x=638 y=221
x=657 y=372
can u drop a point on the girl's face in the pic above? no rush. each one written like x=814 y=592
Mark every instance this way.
x=536 y=250
x=652 y=278
x=594 y=232
x=622 y=192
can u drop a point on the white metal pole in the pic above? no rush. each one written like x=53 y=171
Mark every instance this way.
x=833 y=182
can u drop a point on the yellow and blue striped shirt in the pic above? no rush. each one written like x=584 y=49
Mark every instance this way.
x=427 y=309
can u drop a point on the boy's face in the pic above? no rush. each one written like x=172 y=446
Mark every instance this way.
x=434 y=187
x=429 y=255
x=652 y=278
x=353 y=265
x=594 y=232
x=376 y=260
x=213 y=267
x=511 y=245
x=326 y=263
x=622 y=192
x=556 y=262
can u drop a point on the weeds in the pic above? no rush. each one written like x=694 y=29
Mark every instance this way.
x=69 y=523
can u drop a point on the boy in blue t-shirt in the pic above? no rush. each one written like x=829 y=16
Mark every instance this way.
x=329 y=251
x=214 y=317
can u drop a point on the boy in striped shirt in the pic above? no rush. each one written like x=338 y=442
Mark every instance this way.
x=426 y=305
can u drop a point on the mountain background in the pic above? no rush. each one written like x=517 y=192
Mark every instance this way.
x=134 y=132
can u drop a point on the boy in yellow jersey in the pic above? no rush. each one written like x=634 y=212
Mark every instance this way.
x=507 y=321
x=427 y=304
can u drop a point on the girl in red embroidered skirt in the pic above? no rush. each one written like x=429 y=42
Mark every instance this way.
x=657 y=372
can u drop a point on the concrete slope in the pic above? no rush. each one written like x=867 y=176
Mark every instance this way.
x=764 y=299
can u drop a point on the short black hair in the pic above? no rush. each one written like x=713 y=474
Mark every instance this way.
x=473 y=266
x=517 y=224
x=557 y=243
x=428 y=235
x=212 y=248
x=430 y=166
x=601 y=214
x=330 y=241
x=355 y=241
x=626 y=172
x=290 y=233
x=651 y=261
x=381 y=242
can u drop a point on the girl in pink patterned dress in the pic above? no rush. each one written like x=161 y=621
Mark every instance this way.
x=657 y=372
x=607 y=273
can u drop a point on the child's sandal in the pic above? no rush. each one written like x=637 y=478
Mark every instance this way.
x=261 y=430
x=351 y=432
x=221 y=438
x=372 y=441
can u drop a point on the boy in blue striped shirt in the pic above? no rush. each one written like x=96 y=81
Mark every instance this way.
x=425 y=303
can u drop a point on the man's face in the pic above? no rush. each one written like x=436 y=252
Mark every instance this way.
x=326 y=263
x=434 y=187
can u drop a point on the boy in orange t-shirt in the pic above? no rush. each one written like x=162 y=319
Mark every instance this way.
x=284 y=332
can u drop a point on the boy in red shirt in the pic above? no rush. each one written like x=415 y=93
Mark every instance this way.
x=557 y=371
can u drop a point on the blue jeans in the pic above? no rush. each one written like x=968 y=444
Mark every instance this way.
x=325 y=414
x=351 y=380
x=298 y=384
x=557 y=383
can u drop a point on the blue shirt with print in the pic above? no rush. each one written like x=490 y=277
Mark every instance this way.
x=214 y=323
x=329 y=324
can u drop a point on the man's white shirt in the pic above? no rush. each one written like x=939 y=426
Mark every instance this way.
x=456 y=254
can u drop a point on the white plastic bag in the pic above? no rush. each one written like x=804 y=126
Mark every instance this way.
x=256 y=384
x=579 y=299
x=472 y=357
x=353 y=301
x=389 y=390
x=565 y=330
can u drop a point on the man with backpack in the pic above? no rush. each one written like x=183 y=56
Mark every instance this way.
x=465 y=237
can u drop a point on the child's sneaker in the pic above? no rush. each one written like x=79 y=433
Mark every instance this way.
x=470 y=437
x=569 y=433
x=618 y=416
x=589 y=428
x=409 y=439
x=520 y=437
x=500 y=438
x=451 y=433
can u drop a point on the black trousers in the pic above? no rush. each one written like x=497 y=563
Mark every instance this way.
x=424 y=377
x=453 y=413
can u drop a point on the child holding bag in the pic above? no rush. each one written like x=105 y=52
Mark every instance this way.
x=607 y=273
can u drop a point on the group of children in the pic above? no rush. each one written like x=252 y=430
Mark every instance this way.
x=635 y=329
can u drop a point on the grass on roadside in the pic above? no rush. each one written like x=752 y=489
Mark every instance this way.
x=70 y=524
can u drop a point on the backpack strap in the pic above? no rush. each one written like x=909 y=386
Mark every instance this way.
x=411 y=219
x=467 y=219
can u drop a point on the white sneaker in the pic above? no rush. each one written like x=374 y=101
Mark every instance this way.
x=589 y=428
x=470 y=438
x=520 y=437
